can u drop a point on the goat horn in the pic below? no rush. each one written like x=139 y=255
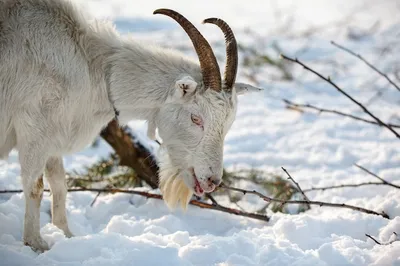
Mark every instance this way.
x=208 y=62
x=231 y=52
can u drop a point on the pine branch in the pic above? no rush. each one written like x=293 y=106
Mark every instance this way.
x=148 y=195
x=275 y=185
x=323 y=110
x=367 y=63
x=328 y=79
x=319 y=203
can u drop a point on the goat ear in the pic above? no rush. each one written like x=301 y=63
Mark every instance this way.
x=243 y=88
x=184 y=88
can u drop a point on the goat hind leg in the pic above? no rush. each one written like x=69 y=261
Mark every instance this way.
x=32 y=166
x=55 y=175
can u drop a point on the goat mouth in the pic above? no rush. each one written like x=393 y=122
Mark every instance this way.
x=198 y=190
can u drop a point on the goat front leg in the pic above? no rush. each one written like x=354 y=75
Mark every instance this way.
x=55 y=175
x=32 y=166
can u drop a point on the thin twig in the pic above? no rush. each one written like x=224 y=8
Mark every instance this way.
x=298 y=187
x=212 y=199
x=197 y=203
x=215 y=202
x=323 y=110
x=344 y=186
x=367 y=63
x=383 y=244
x=95 y=198
x=376 y=241
x=375 y=175
x=319 y=203
x=328 y=79
x=370 y=183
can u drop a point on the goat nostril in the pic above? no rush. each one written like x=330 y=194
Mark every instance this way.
x=214 y=180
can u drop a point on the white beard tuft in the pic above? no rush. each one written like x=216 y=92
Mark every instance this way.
x=173 y=188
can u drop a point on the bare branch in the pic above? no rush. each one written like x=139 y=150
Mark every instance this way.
x=319 y=203
x=214 y=201
x=375 y=175
x=197 y=203
x=261 y=182
x=298 y=187
x=95 y=198
x=376 y=241
x=323 y=110
x=367 y=63
x=380 y=243
x=344 y=186
x=342 y=92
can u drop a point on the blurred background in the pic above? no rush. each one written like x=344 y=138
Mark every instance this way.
x=269 y=16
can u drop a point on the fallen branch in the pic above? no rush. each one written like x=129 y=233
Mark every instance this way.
x=380 y=243
x=323 y=110
x=214 y=206
x=375 y=175
x=328 y=79
x=367 y=63
x=132 y=154
x=319 y=203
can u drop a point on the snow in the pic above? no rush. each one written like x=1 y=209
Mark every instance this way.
x=317 y=149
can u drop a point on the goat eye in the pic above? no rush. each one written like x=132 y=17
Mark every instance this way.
x=197 y=120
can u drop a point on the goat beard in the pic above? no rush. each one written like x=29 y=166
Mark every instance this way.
x=174 y=190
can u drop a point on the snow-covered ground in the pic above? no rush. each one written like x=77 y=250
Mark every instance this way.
x=317 y=149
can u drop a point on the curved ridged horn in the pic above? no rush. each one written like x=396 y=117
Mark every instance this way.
x=231 y=52
x=208 y=62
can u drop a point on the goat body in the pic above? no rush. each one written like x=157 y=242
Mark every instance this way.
x=61 y=79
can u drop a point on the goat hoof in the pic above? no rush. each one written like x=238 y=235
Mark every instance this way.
x=37 y=244
x=68 y=234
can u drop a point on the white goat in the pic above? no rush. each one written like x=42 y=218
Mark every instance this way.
x=63 y=79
